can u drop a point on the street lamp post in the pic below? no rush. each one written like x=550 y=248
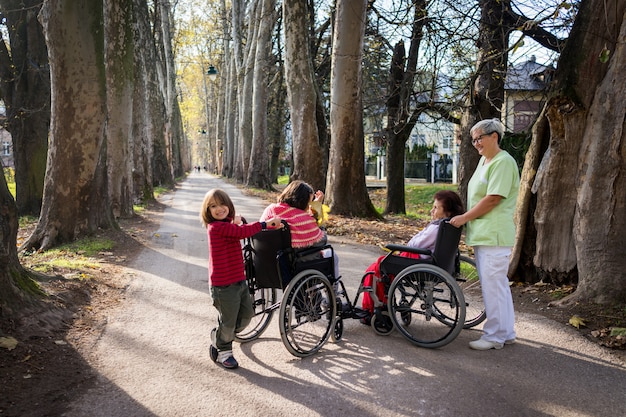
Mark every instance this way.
x=211 y=73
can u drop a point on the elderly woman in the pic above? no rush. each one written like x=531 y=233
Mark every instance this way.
x=491 y=198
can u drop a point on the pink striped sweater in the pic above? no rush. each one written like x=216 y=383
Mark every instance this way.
x=304 y=229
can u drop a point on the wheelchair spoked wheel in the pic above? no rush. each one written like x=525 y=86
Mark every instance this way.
x=426 y=306
x=467 y=278
x=264 y=303
x=308 y=313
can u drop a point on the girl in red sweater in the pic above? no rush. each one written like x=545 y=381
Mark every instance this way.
x=227 y=277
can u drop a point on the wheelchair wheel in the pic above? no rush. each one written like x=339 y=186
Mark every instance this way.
x=264 y=304
x=382 y=324
x=337 y=333
x=307 y=313
x=468 y=280
x=426 y=305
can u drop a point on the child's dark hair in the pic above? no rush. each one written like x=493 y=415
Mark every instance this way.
x=297 y=194
x=451 y=202
x=216 y=197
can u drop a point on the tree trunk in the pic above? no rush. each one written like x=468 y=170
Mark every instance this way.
x=173 y=130
x=579 y=190
x=347 y=191
x=230 y=143
x=259 y=167
x=21 y=299
x=162 y=168
x=486 y=95
x=13 y=299
x=120 y=76
x=143 y=126
x=301 y=93
x=245 y=96
x=75 y=193
x=25 y=90
x=400 y=122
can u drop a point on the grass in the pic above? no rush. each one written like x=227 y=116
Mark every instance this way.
x=418 y=199
x=79 y=256
x=9 y=176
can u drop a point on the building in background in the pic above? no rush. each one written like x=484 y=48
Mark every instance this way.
x=6 y=144
x=525 y=90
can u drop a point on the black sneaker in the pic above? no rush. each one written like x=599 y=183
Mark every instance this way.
x=213 y=353
x=230 y=363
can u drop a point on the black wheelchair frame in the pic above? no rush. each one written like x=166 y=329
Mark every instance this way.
x=425 y=301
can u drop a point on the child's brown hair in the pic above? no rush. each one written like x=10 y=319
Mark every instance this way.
x=216 y=197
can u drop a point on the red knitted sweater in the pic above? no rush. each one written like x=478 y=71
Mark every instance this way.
x=304 y=229
x=225 y=255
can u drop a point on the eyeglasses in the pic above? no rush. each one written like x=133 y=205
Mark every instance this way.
x=479 y=139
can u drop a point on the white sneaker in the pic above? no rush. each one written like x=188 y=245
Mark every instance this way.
x=510 y=341
x=482 y=344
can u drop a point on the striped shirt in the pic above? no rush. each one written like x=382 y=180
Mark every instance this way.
x=304 y=229
x=225 y=255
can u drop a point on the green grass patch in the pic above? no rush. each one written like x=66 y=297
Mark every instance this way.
x=419 y=198
x=160 y=190
x=87 y=246
x=26 y=221
x=78 y=256
x=9 y=176
x=283 y=180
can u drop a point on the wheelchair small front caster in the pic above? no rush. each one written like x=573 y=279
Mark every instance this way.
x=382 y=324
x=337 y=333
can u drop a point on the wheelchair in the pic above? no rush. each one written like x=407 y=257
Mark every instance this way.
x=308 y=309
x=425 y=297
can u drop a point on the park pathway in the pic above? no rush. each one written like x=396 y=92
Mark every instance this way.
x=152 y=359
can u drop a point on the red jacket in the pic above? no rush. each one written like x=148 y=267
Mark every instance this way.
x=225 y=255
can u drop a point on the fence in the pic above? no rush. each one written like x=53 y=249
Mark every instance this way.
x=420 y=170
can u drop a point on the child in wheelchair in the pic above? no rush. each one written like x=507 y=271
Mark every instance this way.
x=293 y=206
x=446 y=204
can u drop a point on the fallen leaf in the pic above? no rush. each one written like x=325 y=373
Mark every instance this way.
x=8 y=343
x=618 y=331
x=576 y=321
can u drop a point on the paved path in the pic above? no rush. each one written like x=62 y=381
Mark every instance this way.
x=153 y=359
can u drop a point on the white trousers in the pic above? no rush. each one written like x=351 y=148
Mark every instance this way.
x=492 y=263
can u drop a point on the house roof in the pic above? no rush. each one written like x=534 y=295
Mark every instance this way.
x=528 y=76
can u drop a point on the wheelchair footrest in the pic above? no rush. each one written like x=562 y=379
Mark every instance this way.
x=359 y=313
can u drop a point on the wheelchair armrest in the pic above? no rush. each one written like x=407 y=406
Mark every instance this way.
x=401 y=248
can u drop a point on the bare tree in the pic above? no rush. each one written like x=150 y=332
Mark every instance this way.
x=347 y=191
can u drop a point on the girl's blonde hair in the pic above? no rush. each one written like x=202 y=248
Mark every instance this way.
x=215 y=197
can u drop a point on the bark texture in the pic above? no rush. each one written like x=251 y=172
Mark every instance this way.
x=577 y=198
x=347 y=191
x=400 y=118
x=25 y=90
x=120 y=76
x=487 y=89
x=75 y=192
x=259 y=167
x=308 y=157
